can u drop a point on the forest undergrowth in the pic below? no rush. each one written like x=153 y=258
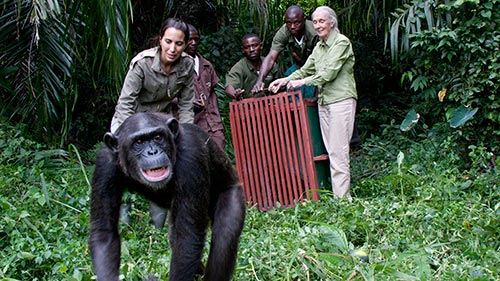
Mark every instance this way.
x=419 y=212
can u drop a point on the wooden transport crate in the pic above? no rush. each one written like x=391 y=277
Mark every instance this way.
x=275 y=156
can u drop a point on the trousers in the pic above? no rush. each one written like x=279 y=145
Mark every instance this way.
x=337 y=125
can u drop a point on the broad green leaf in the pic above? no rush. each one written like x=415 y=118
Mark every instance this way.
x=334 y=259
x=461 y=115
x=410 y=120
x=336 y=237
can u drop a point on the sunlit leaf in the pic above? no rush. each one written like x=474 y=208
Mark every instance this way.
x=27 y=256
x=361 y=254
x=336 y=237
x=24 y=214
x=410 y=120
x=442 y=94
x=401 y=157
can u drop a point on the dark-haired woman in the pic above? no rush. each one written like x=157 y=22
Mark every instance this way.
x=158 y=75
x=155 y=78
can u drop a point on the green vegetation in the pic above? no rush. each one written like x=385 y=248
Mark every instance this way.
x=419 y=213
x=426 y=193
x=452 y=62
x=64 y=61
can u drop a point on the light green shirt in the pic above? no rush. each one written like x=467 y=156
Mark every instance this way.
x=330 y=67
x=147 y=88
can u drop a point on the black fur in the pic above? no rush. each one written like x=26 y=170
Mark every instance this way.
x=200 y=187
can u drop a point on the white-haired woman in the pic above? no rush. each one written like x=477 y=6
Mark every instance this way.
x=330 y=68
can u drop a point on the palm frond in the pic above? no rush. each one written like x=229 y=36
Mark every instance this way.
x=414 y=18
x=41 y=43
x=109 y=32
x=36 y=46
x=259 y=12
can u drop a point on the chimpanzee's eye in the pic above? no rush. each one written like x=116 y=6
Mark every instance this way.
x=138 y=145
x=158 y=138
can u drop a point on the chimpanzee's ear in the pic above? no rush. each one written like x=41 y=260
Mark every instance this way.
x=173 y=125
x=111 y=141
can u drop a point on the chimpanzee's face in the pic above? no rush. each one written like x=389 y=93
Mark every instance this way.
x=146 y=150
x=148 y=159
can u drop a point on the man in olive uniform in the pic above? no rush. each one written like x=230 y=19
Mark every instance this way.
x=243 y=75
x=206 y=105
x=298 y=37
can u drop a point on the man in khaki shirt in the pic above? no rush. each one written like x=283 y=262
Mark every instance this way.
x=297 y=38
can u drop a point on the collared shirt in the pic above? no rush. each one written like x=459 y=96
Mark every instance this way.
x=283 y=39
x=204 y=87
x=330 y=67
x=196 y=65
x=243 y=75
x=147 y=88
x=299 y=42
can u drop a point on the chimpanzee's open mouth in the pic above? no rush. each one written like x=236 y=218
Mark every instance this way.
x=157 y=174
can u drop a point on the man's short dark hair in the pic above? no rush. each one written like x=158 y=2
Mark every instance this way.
x=295 y=8
x=250 y=35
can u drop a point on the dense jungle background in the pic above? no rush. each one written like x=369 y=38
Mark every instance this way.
x=425 y=176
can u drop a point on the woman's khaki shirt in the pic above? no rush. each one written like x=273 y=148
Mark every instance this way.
x=147 y=88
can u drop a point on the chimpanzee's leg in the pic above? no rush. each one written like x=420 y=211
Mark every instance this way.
x=226 y=229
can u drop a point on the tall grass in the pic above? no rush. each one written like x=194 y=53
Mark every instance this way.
x=424 y=216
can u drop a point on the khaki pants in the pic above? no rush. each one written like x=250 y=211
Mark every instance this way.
x=337 y=124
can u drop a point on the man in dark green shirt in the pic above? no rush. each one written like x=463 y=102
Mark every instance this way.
x=244 y=74
x=298 y=37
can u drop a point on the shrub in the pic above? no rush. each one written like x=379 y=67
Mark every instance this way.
x=454 y=64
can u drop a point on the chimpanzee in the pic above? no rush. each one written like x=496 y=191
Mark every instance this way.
x=178 y=167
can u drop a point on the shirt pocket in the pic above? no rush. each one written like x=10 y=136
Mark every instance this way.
x=181 y=80
x=153 y=90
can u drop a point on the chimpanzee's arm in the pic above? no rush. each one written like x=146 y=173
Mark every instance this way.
x=188 y=222
x=104 y=240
